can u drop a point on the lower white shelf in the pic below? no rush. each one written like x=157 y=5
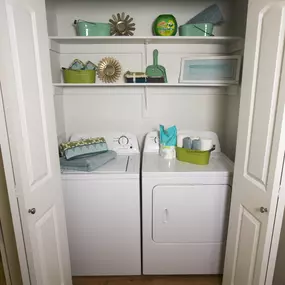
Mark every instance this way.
x=139 y=85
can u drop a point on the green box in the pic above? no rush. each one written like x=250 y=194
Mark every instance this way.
x=196 y=30
x=193 y=156
x=79 y=76
x=90 y=29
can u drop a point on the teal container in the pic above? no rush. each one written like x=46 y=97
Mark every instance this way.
x=196 y=30
x=90 y=29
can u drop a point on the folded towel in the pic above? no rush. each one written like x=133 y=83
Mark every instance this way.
x=82 y=148
x=89 y=163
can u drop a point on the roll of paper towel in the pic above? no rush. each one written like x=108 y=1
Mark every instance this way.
x=187 y=143
x=206 y=144
x=167 y=152
x=196 y=143
x=180 y=140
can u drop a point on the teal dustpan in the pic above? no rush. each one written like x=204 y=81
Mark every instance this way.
x=156 y=70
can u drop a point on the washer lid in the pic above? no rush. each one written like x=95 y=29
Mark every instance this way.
x=155 y=165
x=117 y=165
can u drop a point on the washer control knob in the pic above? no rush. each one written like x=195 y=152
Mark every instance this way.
x=123 y=140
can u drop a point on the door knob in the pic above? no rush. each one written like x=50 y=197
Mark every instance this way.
x=263 y=210
x=32 y=211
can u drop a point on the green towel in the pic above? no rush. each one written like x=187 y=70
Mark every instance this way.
x=81 y=148
x=87 y=164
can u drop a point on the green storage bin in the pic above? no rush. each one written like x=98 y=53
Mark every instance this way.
x=79 y=76
x=196 y=30
x=193 y=156
x=90 y=29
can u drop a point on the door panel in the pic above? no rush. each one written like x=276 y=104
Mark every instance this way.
x=248 y=230
x=29 y=107
x=179 y=212
x=48 y=241
x=30 y=89
x=269 y=43
x=260 y=146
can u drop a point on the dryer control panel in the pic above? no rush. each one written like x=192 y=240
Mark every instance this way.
x=152 y=142
x=152 y=139
x=122 y=143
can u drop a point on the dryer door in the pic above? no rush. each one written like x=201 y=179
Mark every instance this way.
x=190 y=213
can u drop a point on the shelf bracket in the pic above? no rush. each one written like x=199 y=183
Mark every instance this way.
x=145 y=94
x=145 y=103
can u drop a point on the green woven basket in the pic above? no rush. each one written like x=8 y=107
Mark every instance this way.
x=193 y=156
x=79 y=76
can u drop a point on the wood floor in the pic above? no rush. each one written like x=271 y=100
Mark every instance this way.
x=149 y=280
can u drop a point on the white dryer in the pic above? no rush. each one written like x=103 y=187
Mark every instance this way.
x=103 y=212
x=185 y=211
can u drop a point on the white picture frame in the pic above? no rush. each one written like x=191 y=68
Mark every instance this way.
x=221 y=70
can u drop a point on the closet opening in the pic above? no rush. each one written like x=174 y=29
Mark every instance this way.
x=10 y=273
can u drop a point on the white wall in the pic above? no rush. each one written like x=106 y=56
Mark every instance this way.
x=237 y=26
x=51 y=18
x=143 y=13
x=86 y=112
x=231 y=124
x=83 y=110
x=239 y=17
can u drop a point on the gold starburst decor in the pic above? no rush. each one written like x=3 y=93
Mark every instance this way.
x=109 y=70
x=121 y=25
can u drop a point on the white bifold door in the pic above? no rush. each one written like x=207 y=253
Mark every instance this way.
x=28 y=100
x=260 y=146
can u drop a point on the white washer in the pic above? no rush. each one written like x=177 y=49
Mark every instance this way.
x=184 y=211
x=103 y=212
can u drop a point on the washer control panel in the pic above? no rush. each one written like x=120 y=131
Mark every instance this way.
x=122 y=143
x=125 y=143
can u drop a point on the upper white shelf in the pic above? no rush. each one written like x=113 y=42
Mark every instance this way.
x=146 y=40
x=139 y=85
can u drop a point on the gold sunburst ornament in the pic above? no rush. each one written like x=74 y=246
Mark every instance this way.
x=121 y=25
x=109 y=70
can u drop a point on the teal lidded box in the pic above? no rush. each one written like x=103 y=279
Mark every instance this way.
x=90 y=29
x=198 y=30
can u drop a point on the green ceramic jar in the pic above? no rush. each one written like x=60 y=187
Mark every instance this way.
x=165 y=25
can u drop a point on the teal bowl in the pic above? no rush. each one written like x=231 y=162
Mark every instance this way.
x=196 y=30
x=90 y=29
